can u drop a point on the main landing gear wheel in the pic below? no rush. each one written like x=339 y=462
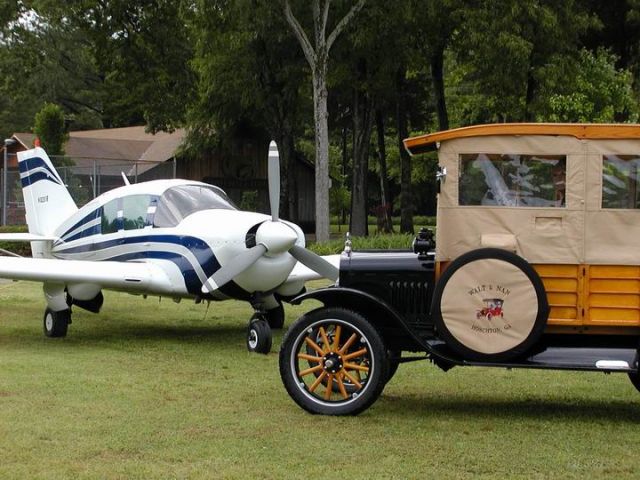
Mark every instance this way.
x=275 y=317
x=490 y=305
x=259 y=336
x=354 y=360
x=55 y=324
x=635 y=379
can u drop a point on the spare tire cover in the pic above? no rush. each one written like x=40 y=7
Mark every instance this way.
x=490 y=305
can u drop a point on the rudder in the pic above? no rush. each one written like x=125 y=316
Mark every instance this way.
x=46 y=199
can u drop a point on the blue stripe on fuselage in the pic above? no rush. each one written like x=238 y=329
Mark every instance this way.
x=199 y=248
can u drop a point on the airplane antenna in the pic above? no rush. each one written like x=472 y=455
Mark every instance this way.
x=124 y=177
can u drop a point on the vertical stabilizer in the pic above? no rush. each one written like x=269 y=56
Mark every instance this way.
x=47 y=201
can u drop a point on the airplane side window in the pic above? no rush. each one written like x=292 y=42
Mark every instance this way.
x=620 y=181
x=177 y=203
x=135 y=211
x=110 y=222
x=508 y=180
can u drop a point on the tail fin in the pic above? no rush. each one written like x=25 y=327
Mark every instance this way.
x=46 y=199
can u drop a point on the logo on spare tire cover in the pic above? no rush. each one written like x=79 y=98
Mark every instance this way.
x=490 y=318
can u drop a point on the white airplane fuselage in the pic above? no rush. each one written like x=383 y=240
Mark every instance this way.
x=188 y=252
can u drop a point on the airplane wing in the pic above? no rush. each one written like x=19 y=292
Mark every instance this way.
x=25 y=237
x=130 y=276
x=304 y=274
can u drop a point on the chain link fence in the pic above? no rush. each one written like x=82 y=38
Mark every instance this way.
x=85 y=178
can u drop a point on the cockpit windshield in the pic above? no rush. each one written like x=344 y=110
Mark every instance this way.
x=177 y=203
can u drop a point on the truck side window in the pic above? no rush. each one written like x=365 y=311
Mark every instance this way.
x=620 y=181
x=510 y=180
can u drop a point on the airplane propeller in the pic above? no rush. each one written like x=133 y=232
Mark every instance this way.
x=272 y=238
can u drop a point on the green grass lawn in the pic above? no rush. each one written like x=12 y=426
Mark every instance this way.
x=160 y=390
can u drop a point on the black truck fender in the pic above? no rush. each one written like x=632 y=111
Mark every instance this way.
x=379 y=313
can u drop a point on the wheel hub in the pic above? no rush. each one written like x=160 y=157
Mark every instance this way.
x=332 y=362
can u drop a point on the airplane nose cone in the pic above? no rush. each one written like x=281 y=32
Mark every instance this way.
x=276 y=236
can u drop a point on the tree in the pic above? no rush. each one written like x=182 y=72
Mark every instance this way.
x=599 y=93
x=317 y=55
x=249 y=77
x=50 y=129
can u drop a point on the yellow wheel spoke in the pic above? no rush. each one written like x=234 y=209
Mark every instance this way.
x=314 y=345
x=311 y=358
x=343 y=391
x=344 y=348
x=359 y=353
x=327 y=393
x=352 y=379
x=325 y=340
x=336 y=338
x=318 y=381
x=355 y=366
x=317 y=368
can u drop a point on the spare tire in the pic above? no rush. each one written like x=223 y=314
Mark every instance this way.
x=490 y=305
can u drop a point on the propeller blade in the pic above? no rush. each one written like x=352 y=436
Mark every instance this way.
x=274 y=181
x=235 y=267
x=314 y=262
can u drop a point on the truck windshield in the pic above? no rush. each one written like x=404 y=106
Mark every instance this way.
x=177 y=203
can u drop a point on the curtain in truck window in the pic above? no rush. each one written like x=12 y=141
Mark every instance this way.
x=509 y=180
x=620 y=181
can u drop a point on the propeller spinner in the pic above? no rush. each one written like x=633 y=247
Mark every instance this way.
x=272 y=238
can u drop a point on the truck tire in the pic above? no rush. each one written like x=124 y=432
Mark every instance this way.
x=490 y=306
x=355 y=360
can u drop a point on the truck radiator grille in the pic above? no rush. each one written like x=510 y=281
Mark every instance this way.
x=411 y=298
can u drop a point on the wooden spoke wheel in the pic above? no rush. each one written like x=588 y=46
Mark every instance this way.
x=333 y=362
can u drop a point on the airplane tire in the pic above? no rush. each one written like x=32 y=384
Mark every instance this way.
x=55 y=324
x=635 y=379
x=275 y=317
x=259 y=336
x=355 y=359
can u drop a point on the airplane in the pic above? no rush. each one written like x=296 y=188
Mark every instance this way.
x=173 y=238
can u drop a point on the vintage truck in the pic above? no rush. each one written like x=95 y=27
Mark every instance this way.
x=536 y=264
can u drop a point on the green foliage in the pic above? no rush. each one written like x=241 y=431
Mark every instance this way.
x=50 y=129
x=20 y=248
x=395 y=241
x=249 y=200
x=599 y=92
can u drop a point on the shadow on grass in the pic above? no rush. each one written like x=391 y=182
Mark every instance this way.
x=576 y=409
x=90 y=335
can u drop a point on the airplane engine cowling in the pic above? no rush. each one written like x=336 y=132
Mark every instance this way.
x=83 y=291
x=86 y=296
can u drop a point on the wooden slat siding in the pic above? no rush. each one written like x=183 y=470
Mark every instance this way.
x=613 y=295
x=563 y=286
x=423 y=143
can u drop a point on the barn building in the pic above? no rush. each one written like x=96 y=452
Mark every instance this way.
x=97 y=159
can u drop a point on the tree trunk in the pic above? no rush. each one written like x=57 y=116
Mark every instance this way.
x=362 y=127
x=385 y=196
x=322 y=151
x=437 y=75
x=530 y=95
x=406 y=198
x=345 y=163
x=289 y=186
